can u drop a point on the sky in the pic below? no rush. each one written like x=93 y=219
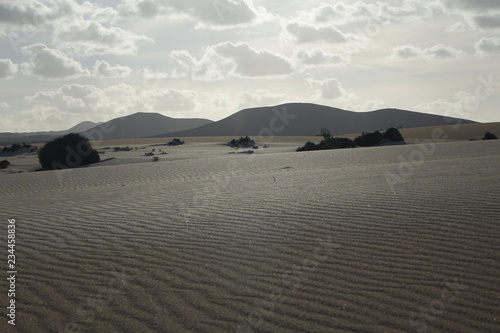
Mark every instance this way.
x=66 y=61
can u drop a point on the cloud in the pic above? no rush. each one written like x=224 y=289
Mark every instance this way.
x=7 y=68
x=305 y=33
x=207 y=13
x=170 y=99
x=488 y=46
x=476 y=5
x=4 y=105
x=32 y=13
x=249 y=62
x=442 y=52
x=329 y=89
x=318 y=58
x=436 y=52
x=81 y=101
x=87 y=38
x=370 y=105
x=50 y=64
x=487 y=21
x=479 y=14
x=461 y=26
x=225 y=59
x=103 y=69
x=462 y=105
x=406 y=52
x=259 y=98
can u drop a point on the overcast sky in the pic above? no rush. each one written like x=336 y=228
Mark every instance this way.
x=66 y=61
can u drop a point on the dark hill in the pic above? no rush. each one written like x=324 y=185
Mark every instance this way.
x=144 y=124
x=303 y=119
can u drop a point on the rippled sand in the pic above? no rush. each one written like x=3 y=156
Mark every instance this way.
x=277 y=241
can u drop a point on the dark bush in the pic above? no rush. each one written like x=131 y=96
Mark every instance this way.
x=176 y=142
x=116 y=149
x=489 y=136
x=308 y=147
x=242 y=142
x=392 y=134
x=328 y=142
x=4 y=164
x=69 y=151
x=368 y=139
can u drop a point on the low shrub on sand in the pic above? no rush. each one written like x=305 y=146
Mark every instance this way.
x=489 y=136
x=244 y=142
x=4 y=164
x=69 y=151
x=328 y=142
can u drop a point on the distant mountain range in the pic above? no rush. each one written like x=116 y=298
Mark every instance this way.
x=304 y=119
x=137 y=125
x=292 y=119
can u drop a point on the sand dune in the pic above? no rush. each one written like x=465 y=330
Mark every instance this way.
x=277 y=241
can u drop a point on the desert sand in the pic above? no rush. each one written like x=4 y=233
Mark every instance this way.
x=209 y=239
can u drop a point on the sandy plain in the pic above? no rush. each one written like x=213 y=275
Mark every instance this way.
x=211 y=239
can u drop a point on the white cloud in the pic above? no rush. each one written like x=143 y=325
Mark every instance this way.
x=462 y=105
x=50 y=63
x=207 y=13
x=4 y=105
x=225 y=59
x=88 y=101
x=260 y=98
x=406 y=52
x=442 y=52
x=488 y=46
x=7 y=68
x=436 y=52
x=170 y=99
x=304 y=33
x=370 y=105
x=329 y=89
x=32 y=13
x=250 y=62
x=461 y=26
x=103 y=69
x=87 y=38
x=318 y=58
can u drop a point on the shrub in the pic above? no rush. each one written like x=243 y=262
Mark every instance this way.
x=308 y=147
x=242 y=142
x=489 y=136
x=392 y=134
x=176 y=142
x=16 y=146
x=116 y=149
x=69 y=151
x=376 y=138
x=368 y=139
x=4 y=164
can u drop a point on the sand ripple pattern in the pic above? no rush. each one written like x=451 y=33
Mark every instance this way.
x=289 y=242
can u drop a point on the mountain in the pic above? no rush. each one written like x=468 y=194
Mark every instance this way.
x=83 y=126
x=138 y=125
x=142 y=124
x=304 y=119
x=42 y=136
